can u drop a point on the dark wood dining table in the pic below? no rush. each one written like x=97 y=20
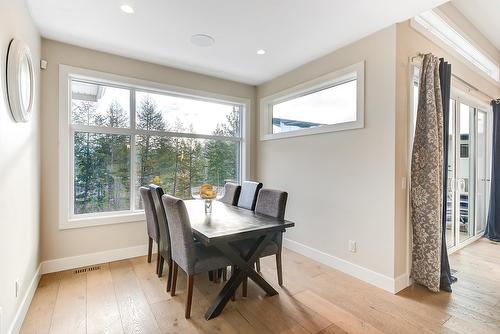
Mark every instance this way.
x=220 y=229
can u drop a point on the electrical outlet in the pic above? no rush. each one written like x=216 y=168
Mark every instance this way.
x=352 y=246
x=18 y=287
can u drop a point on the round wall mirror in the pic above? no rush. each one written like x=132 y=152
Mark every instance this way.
x=20 y=81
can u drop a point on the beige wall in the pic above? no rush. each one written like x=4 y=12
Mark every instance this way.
x=341 y=184
x=410 y=43
x=64 y=243
x=19 y=171
x=464 y=26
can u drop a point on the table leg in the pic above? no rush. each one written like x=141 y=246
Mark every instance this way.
x=244 y=269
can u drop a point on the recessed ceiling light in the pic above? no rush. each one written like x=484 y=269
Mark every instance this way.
x=202 y=40
x=261 y=52
x=127 y=9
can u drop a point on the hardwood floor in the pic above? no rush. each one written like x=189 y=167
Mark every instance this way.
x=127 y=297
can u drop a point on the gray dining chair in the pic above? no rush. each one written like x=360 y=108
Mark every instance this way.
x=248 y=194
x=193 y=258
x=231 y=193
x=164 y=249
x=271 y=203
x=151 y=223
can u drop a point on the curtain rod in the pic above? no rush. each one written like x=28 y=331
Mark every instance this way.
x=497 y=100
x=474 y=88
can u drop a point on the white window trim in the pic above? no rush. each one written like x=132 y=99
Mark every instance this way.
x=66 y=73
x=353 y=72
x=436 y=40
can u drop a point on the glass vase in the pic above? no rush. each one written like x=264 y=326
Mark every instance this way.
x=208 y=206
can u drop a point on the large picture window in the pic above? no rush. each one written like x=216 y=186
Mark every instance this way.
x=120 y=136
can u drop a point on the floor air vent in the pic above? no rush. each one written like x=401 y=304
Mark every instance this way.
x=87 y=269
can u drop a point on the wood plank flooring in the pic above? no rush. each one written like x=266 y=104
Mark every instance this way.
x=127 y=297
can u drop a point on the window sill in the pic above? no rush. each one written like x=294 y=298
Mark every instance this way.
x=90 y=221
x=313 y=131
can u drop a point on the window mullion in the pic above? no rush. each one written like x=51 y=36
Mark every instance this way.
x=133 y=151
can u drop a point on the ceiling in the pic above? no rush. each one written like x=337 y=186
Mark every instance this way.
x=483 y=14
x=293 y=32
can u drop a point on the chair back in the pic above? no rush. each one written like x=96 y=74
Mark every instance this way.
x=151 y=219
x=156 y=193
x=248 y=195
x=272 y=203
x=231 y=193
x=181 y=235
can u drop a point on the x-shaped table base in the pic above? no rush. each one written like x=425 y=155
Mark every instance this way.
x=244 y=269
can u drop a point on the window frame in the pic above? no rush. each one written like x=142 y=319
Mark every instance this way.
x=67 y=218
x=332 y=79
x=464 y=55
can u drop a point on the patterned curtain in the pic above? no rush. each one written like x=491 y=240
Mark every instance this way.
x=426 y=194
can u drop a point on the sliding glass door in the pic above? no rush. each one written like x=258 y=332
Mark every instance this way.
x=482 y=178
x=467 y=173
x=468 y=163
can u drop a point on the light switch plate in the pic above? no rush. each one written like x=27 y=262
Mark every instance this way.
x=352 y=246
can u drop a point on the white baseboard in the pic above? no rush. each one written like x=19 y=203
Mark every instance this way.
x=16 y=324
x=402 y=282
x=84 y=260
x=379 y=280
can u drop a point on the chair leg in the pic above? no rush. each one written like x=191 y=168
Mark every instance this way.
x=158 y=256
x=245 y=286
x=257 y=265
x=169 y=279
x=190 y=281
x=224 y=274
x=150 y=249
x=279 y=269
x=233 y=297
x=174 y=279
x=211 y=276
x=159 y=272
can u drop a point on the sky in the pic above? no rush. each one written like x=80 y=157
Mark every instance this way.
x=203 y=115
x=329 y=106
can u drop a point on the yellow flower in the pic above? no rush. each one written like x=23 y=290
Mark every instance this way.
x=156 y=180
x=207 y=191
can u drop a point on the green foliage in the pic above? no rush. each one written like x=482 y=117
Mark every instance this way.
x=179 y=164
x=102 y=163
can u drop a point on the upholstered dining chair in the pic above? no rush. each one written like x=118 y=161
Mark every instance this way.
x=151 y=222
x=271 y=203
x=192 y=257
x=164 y=245
x=248 y=194
x=231 y=193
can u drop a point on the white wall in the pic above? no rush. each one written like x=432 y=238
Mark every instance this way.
x=19 y=171
x=56 y=243
x=341 y=184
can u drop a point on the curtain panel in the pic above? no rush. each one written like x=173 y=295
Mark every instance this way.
x=426 y=194
x=492 y=231
x=445 y=80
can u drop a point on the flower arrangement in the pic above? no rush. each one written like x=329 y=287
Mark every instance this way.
x=207 y=191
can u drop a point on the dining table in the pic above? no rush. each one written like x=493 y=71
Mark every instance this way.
x=221 y=228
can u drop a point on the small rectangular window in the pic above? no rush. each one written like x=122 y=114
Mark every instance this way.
x=330 y=103
x=328 y=106
x=464 y=150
